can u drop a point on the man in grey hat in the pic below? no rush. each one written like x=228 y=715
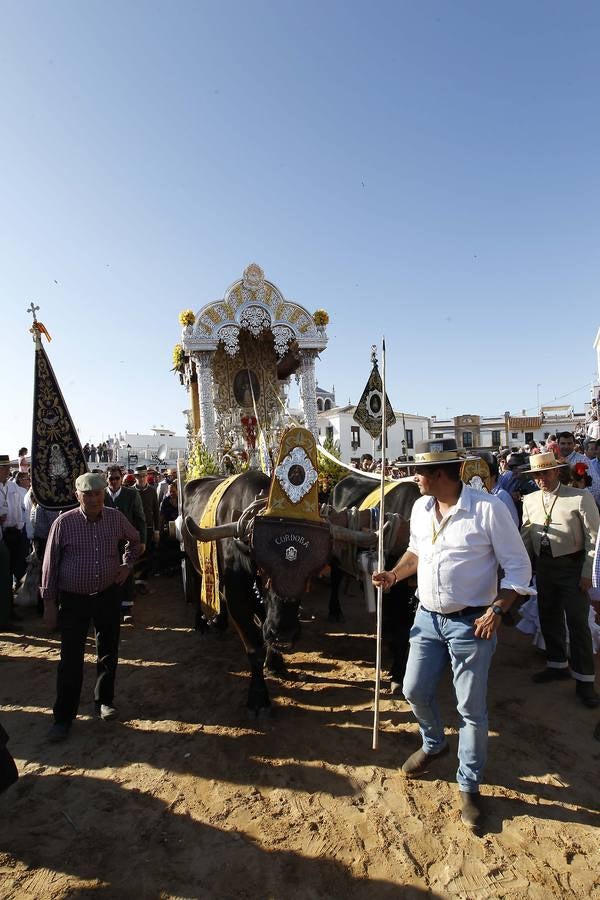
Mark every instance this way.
x=81 y=570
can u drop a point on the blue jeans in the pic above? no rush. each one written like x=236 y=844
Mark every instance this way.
x=435 y=639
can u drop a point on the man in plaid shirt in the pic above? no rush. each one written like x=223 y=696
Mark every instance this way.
x=81 y=570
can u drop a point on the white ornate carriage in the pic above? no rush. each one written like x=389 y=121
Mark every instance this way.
x=240 y=353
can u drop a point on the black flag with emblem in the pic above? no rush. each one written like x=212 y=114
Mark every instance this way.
x=369 y=411
x=56 y=455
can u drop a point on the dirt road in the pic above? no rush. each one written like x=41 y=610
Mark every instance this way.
x=186 y=796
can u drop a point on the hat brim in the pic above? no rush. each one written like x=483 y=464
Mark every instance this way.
x=438 y=461
x=541 y=469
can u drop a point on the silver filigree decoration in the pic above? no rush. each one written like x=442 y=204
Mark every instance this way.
x=253 y=278
x=282 y=335
x=208 y=432
x=296 y=474
x=230 y=336
x=308 y=390
x=255 y=319
x=375 y=404
x=477 y=484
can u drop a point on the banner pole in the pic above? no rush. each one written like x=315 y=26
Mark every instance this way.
x=380 y=555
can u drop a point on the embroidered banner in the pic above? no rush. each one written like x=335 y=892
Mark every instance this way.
x=56 y=455
x=369 y=411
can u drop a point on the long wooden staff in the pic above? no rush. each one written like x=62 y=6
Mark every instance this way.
x=380 y=559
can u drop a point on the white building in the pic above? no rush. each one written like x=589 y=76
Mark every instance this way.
x=338 y=425
x=507 y=430
x=146 y=447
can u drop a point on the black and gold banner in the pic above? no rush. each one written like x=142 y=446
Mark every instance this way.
x=56 y=455
x=369 y=412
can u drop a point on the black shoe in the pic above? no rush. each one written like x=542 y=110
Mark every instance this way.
x=58 y=732
x=471 y=812
x=586 y=693
x=550 y=674
x=418 y=763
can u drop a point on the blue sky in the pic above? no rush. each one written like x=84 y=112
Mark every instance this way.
x=427 y=171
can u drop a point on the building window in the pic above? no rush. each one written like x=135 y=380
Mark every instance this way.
x=328 y=404
x=355 y=436
x=329 y=433
x=410 y=443
x=546 y=435
x=514 y=435
x=528 y=437
x=467 y=438
x=496 y=440
x=319 y=404
x=439 y=435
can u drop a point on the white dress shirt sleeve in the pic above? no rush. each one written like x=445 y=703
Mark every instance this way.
x=509 y=550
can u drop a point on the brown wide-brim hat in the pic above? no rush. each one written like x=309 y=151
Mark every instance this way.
x=543 y=462
x=4 y=459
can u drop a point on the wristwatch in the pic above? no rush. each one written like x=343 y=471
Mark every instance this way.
x=497 y=610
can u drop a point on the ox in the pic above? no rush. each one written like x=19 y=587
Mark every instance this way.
x=238 y=573
x=398 y=603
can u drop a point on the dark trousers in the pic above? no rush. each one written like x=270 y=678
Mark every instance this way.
x=76 y=613
x=16 y=544
x=559 y=595
x=6 y=587
x=145 y=564
x=126 y=592
x=8 y=769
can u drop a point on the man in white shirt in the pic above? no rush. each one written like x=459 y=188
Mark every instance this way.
x=12 y=521
x=458 y=538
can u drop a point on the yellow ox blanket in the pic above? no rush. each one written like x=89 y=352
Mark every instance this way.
x=207 y=553
x=374 y=497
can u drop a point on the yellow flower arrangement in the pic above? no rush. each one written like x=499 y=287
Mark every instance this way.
x=178 y=358
x=186 y=318
x=321 y=318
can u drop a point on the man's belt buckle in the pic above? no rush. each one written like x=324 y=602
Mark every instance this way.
x=95 y=594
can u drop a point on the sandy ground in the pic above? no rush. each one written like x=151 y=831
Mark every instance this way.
x=186 y=796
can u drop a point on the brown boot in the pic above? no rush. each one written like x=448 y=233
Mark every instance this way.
x=471 y=812
x=418 y=763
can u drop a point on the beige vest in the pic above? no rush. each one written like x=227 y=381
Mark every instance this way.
x=574 y=524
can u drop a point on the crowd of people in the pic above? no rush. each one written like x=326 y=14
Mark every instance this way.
x=148 y=497
x=474 y=554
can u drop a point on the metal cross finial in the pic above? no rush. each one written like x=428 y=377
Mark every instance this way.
x=33 y=309
x=373 y=354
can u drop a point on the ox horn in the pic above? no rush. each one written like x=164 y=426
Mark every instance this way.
x=247 y=516
x=230 y=529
